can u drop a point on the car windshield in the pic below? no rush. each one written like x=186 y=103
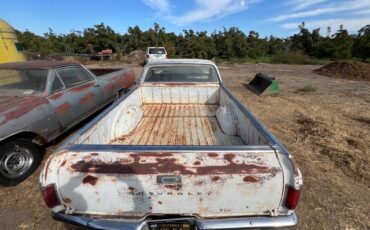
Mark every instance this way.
x=182 y=73
x=27 y=81
x=157 y=51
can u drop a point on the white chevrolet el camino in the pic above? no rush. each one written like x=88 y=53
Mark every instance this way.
x=179 y=151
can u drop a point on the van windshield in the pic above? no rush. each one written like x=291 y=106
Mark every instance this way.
x=182 y=73
x=157 y=51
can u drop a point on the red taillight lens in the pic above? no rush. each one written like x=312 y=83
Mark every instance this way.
x=292 y=198
x=50 y=196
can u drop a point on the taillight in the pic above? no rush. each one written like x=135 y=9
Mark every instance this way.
x=50 y=196
x=292 y=198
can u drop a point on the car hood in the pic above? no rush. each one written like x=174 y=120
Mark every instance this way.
x=17 y=106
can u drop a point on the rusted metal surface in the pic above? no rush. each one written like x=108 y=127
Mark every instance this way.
x=190 y=124
x=138 y=164
x=49 y=114
x=125 y=184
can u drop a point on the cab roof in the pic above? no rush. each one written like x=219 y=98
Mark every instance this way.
x=180 y=61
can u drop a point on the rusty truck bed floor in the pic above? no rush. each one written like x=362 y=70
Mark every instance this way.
x=190 y=124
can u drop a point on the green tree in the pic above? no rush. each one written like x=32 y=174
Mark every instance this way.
x=361 y=46
x=343 y=44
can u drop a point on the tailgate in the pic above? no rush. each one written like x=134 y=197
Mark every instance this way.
x=205 y=184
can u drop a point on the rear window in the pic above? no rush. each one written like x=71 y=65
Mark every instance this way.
x=157 y=51
x=191 y=73
x=72 y=76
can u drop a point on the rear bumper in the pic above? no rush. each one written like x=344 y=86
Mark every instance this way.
x=227 y=223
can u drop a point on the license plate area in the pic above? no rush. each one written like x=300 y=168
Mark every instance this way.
x=172 y=225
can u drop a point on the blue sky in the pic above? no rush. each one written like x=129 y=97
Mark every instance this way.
x=268 y=17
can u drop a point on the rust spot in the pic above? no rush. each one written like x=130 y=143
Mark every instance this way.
x=125 y=161
x=47 y=168
x=87 y=98
x=197 y=163
x=165 y=163
x=90 y=180
x=250 y=179
x=63 y=163
x=108 y=88
x=229 y=157
x=63 y=107
x=212 y=154
x=56 y=96
x=94 y=154
x=82 y=87
x=131 y=190
x=199 y=183
x=16 y=108
x=66 y=200
x=160 y=202
x=114 y=180
x=124 y=80
x=216 y=178
x=173 y=186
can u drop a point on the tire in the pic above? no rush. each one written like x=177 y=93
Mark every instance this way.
x=18 y=160
x=120 y=93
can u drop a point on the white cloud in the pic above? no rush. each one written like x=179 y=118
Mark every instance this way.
x=302 y=4
x=161 y=6
x=202 y=11
x=352 y=25
x=206 y=9
x=341 y=7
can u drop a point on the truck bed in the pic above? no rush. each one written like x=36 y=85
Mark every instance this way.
x=178 y=124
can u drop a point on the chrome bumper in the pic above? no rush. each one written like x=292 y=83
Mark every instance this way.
x=227 y=223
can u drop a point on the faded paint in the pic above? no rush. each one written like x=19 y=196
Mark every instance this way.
x=56 y=96
x=108 y=88
x=45 y=115
x=13 y=108
x=87 y=98
x=63 y=108
x=82 y=87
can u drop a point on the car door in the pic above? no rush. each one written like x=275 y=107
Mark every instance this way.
x=74 y=94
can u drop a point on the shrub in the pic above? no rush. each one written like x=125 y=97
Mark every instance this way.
x=307 y=89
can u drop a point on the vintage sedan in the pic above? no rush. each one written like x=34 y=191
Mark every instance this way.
x=40 y=100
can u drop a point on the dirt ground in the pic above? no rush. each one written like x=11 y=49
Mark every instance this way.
x=326 y=128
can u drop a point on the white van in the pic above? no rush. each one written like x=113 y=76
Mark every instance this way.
x=155 y=53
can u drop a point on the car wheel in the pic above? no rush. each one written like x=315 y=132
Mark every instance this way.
x=18 y=159
x=120 y=93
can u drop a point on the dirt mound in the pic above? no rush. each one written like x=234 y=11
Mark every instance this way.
x=136 y=56
x=351 y=70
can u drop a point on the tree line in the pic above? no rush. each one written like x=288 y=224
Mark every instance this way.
x=228 y=43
